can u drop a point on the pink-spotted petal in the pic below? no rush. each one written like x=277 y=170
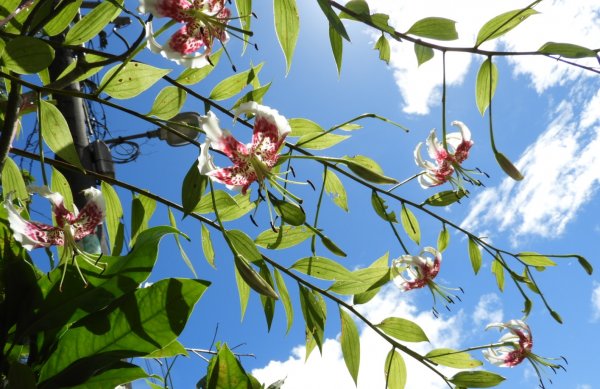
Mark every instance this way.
x=174 y=9
x=91 y=215
x=234 y=177
x=30 y=234
x=62 y=215
x=434 y=147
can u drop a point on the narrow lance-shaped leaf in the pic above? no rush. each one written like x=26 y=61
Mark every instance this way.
x=482 y=84
x=335 y=189
x=243 y=292
x=498 y=271
x=290 y=213
x=410 y=224
x=131 y=80
x=252 y=278
x=380 y=208
x=443 y=239
x=322 y=268
x=191 y=76
x=244 y=8
x=501 y=24
x=452 y=358
x=350 y=343
x=114 y=213
x=227 y=372
x=334 y=21
x=285 y=299
x=233 y=85
x=268 y=303
x=56 y=134
x=476 y=379
x=337 y=47
x=60 y=184
x=207 y=246
x=567 y=50
x=12 y=181
x=287 y=27
x=446 y=197
x=474 y=255
x=192 y=188
x=59 y=22
x=142 y=209
x=94 y=22
x=535 y=259
x=184 y=255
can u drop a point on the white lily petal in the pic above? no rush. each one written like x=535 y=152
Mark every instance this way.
x=94 y=195
x=425 y=164
x=433 y=145
x=19 y=225
x=54 y=197
x=210 y=126
x=205 y=160
x=464 y=130
x=270 y=114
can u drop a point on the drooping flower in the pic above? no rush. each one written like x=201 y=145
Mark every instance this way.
x=517 y=344
x=71 y=227
x=204 y=21
x=447 y=160
x=418 y=271
x=251 y=162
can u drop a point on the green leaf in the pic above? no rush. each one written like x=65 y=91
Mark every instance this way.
x=556 y=316
x=359 y=7
x=567 y=50
x=474 y=255
x=268 y=303
x=244 y=246
x=20 y=376
x=120 y=276
x=118 y=373
x=285 y=299
x=191 y=76
x=94 y=22
x=290 y=213
x=12 y=181
x=314 y=312
x=337 y=47
x=109 y=335
x=452 y=358
x=27 y=55
x=446 y=198
x=331 y=246
x=168 y=103
x=498 y=271
x=62 y=19
x=207 y=247
x=482 y=84
x=285 y=237
x=589 y=269
x=192 y=188
x=443 y=240
x=171 y=350
x=435 y=28
x=320 y=141
x=227 y=372
x=476 y=379
x=287 y=27
x=334 y=21
x=335 y=189
x=114 y=214
x=60 y=184
x=142 y=209
x=301 y=127
x=223 y=201
x=501 y=24
x=132 y=79
x=182 y=252
x=253 y=95
x=508 y=166
x=243 y=292
x=323 y=268
x=402 y=329
x=381 y=207
x=244 y=8
x=395 y=370
x=364 y=280
x=56 y=134
x=410 y=224
x=382 y=21
x=252 y=278
x=350 y=343
x=423 y=53
x=383 y=45
x=535 y=259
x=233 y=85
x=367 y=169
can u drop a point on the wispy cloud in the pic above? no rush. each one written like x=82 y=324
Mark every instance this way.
x=596 y=302
x=560 y=20
x=488 y=310
x=560 y=175
x=329 y=370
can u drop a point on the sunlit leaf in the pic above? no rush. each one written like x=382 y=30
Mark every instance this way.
x=233 y=85
x=535 y=259
x=476 y=379
x=367 y=169
x=482 y=84
x=191 y=76
x=283 y=238
x=114 y=214
x=132 y=79
x=381 y=207
x=358 y=7
x=322 y=268
x=395 y=370
x=26 y=55
x=207 y=246
x=227 y=372
x=452 y=358
x=350 y=342
x=334 y=21
x=94 y=22
x=337 y=47
x=498 y=271
x=423 y=53
x=301 y=127
x=243 y=292
x=508 y=167
x=285 y=299
x=335 y=189
x=314 y=312
x=290 y=213
x=443 y=240
x=287 y=27
x=567 y=50
x=60 y=184
x=403 y=329
x=446 y=197
x=435 y=28
x=268 y=303
x=168 y=103
x=182 y=252
x=320 y=141
x=501 y=24
x=474 y=255
x=12 y=181
x=142 y=209
x=253 y=278
x=383 y=45
x=59 y=22
x=410 y=224
x=56 y=134
x=192 y=188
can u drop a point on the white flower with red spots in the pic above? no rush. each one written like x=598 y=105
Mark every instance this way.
x=417 y=271
x=517 y=344
x=447 y=161
x=204 y=21
x=70 y=227
x=251 y=162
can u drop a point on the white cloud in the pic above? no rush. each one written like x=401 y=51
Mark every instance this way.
x=596 y=302
x=584 y=386
x=329 y=370
x=488 y=310
x=560 y=175
x=560 y=20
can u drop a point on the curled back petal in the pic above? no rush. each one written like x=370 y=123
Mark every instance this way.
x=30 y=234
x=91 y=215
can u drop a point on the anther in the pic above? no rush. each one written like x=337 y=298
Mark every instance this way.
x=311 y=185
x=253 y=221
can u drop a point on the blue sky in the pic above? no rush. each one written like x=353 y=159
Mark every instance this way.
x=547 y=120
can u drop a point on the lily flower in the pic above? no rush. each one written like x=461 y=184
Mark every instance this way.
x=515 y=346
x=204 y=21
x=251 y=162
x=418 y=271
x=70 y=228
x=447 y=160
